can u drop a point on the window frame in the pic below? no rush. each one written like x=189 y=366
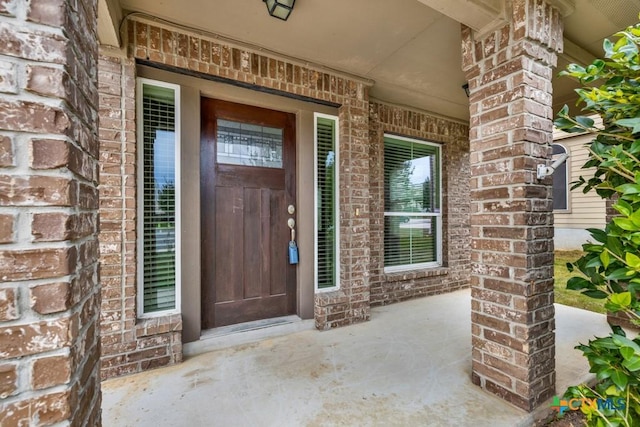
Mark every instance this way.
x=336 y=190
x=567 y=176
x=140 y=199
x=438 y=215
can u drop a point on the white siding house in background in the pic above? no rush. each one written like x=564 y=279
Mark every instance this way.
x=579 y=211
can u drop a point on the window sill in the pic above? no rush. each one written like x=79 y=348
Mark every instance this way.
x=158 y=325
x=416 y=274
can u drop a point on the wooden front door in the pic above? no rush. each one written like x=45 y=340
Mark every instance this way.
x=247 y=184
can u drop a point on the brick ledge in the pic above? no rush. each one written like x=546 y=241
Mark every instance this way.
x=415 y=274
x=158 y=325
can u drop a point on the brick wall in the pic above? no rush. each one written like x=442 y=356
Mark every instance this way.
x=454 y=137
x=49 y=293
x=209 y=56
x=351 y=303
x=509 y=73
x=206 y=56
x=128 y=345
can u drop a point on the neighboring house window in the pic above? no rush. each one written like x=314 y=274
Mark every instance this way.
x=326 y=202
x=560 y=181
x=412 y=199
x=158 y=197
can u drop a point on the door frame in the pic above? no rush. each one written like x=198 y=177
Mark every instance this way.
x=192 y=88
x=211 y=109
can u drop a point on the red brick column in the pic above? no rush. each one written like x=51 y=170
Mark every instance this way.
x=49 y=292
x=509 y=73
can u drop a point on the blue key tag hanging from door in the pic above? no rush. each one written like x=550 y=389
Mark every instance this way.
x=293 y=248
x=293 y=252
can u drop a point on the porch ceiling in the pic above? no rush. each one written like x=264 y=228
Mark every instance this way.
x=411 y=51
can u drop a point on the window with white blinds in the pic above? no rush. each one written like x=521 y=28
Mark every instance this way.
x=326 y=202
x=412 y=200
x=158 y=200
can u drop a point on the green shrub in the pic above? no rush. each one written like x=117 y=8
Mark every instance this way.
x=610 y=267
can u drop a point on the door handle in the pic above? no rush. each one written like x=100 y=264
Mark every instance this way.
x=292 y=225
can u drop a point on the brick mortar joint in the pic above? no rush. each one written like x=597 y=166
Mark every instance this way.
x=376 y=103
x=73 y=110
x=217 y=38
x=409 y=275
x=25 y=95
x=527 y=52
x=24 y=367
x=123 y=190
x=28 y=26
x=23 y=219
x=167 y=319
x=30 y=246
x=29 y=394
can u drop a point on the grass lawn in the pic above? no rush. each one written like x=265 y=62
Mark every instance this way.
x=566 y=296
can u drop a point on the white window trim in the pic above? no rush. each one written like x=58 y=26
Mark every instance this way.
x=316 y=116
x=438 y=215
x=567 y=176
x=139 y=188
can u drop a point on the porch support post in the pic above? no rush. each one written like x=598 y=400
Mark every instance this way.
x=509 y=73
x=49 y=290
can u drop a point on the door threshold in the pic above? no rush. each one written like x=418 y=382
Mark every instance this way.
x=248 y=326
x=245 y=333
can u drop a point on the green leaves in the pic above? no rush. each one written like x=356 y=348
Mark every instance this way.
x=585 y=122
x=627 y=353
x=626 y=224
x=627 y=189
x=579 y=283
x=619 y=379
x=632 y=364
x=632 y=260
x=623 y=207
x=622 y=341
x=618 y=302
x=630 y=123
x=610 y=267
x=596 y=294
x=616 y=361
x=623 y=299
x=619 y=274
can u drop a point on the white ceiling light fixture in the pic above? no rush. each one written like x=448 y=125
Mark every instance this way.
x=280 y=9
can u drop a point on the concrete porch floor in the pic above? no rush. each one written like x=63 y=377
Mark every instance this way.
x=409 y=366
